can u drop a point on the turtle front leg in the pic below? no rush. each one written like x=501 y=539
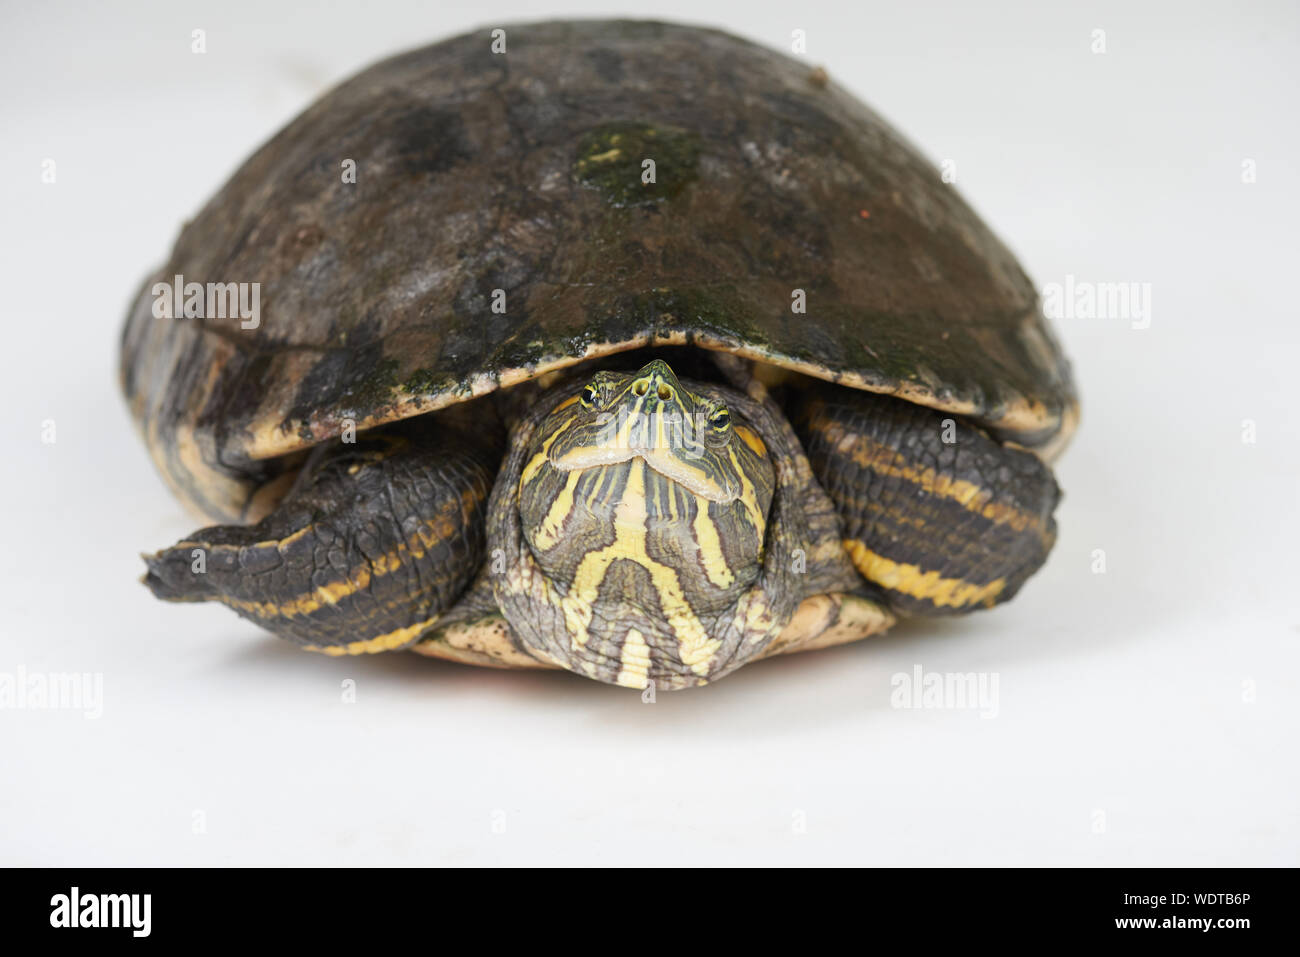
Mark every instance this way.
x=940 y=516
x=374 y=542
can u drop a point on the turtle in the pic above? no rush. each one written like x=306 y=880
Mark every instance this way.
x=629 y=348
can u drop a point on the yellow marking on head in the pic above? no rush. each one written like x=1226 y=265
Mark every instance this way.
x=695 y=647
x=706 y=535
x=548 y=533
x=912 y=580
x=634 y=671
x=537 y=461
x=597 y=492
x=370 y=646
x=749 y=496
x=750 y=438
x=649 y=415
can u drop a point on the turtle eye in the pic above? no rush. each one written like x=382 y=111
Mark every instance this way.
x=720 y=420
x=590 y=394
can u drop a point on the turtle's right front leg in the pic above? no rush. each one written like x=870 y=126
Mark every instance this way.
x=376 y=539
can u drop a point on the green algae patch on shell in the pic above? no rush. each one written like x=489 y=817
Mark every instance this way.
x=636 y=164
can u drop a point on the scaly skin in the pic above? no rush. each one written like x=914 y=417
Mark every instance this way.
x=634 y=554
x=641 y=530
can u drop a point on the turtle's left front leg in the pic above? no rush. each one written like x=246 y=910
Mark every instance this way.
x=374 y=542
x=937 y=514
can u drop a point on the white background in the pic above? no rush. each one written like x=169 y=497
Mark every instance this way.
x=1127 y=730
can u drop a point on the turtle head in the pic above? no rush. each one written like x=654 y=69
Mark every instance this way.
x=649 y=415
x=643 y=509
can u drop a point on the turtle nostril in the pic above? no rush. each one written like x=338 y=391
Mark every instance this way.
x=665 y=392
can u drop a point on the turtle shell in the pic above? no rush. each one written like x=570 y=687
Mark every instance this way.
x=462 y=217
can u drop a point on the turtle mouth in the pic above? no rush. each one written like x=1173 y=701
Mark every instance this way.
x=711 y=484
